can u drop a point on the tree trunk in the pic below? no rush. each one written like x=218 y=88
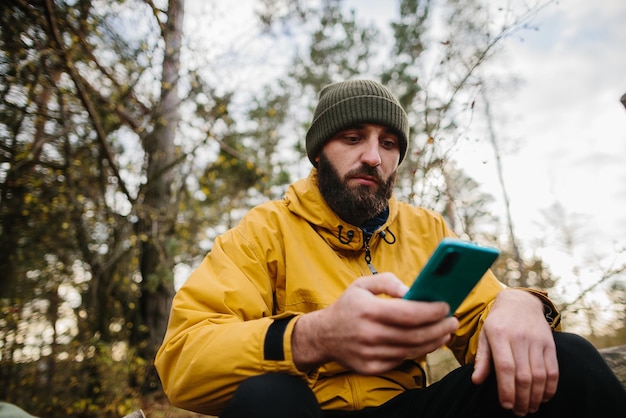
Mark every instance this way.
x=523 y=282
x=158 y=209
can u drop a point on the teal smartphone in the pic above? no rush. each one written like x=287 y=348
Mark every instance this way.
x=451 y=272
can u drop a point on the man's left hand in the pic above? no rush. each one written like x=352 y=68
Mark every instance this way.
x=518 y=341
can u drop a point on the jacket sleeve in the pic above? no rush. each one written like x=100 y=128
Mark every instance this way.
x=222 y=328
x=475 y=309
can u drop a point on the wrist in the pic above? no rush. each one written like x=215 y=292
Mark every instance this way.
x=550 y=311
x=518 y=297
x=306 y=342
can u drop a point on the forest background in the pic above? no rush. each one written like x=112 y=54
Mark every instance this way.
x=134 y=132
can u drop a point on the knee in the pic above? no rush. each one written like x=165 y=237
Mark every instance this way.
x=579 y=359
x=268 y=387
x=276 y=394
x=569 y=341
x=586 y=383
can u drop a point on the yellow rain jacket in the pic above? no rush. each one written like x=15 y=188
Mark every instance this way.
x=234 y=316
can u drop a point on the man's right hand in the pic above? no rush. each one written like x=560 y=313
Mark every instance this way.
x=370 y=334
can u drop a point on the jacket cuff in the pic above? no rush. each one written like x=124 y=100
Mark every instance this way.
x=273 y=347
x=277 y=352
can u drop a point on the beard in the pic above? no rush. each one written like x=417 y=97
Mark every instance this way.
x=354 y=204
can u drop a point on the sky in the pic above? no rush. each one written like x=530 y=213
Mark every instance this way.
x=566 y=128
x=561 y=132
x=562 y=136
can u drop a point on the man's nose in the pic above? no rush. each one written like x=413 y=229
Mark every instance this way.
x=371 y=152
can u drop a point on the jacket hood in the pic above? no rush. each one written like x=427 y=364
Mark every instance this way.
x=304 y=199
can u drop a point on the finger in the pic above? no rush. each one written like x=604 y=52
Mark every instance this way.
x=389 y=284
x=524 y=383
x=504 y=365
x=552 y=373
x=376 y=358
x=399 y=311
x=482 y=362
x=388 y=352
x=407 y=314
x=380 y=333
x=426 y=348
x=426 y=334
x=539 y=377
x=383 y=283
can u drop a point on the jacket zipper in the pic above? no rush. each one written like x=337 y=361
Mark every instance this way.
x=368 y=253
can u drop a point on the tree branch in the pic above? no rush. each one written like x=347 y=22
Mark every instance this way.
x=608 y=275
x=155 y=12
x=84 y=97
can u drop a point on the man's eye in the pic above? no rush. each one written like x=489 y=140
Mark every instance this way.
x=351 y=138
x=388 y=143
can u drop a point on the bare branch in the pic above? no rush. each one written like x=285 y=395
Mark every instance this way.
x=606 y=277
x=157 y=12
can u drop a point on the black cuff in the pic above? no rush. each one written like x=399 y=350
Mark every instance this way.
x=273 y=348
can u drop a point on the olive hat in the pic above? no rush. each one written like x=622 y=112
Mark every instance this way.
x=349 y=103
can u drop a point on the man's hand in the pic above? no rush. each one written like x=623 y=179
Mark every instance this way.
x=518 y=341
x=370 y=334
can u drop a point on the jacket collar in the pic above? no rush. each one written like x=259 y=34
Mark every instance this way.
x=304 y=199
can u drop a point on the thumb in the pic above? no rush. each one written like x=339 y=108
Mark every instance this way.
x=383 y=283
x=482 y=363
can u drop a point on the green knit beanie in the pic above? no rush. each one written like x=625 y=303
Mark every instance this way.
x=348 y=103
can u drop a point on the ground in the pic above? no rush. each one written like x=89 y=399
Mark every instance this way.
x=159 y=407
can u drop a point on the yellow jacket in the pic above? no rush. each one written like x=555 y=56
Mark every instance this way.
x=234 y=316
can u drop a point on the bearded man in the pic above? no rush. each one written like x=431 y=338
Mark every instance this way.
x=298 y=311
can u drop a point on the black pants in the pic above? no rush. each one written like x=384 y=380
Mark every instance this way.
x=587 y=388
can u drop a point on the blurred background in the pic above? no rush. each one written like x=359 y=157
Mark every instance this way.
x=133 y=132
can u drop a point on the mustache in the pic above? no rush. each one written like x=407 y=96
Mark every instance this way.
x=366 y=170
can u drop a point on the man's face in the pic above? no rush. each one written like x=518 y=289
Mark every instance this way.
x=357 y=171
